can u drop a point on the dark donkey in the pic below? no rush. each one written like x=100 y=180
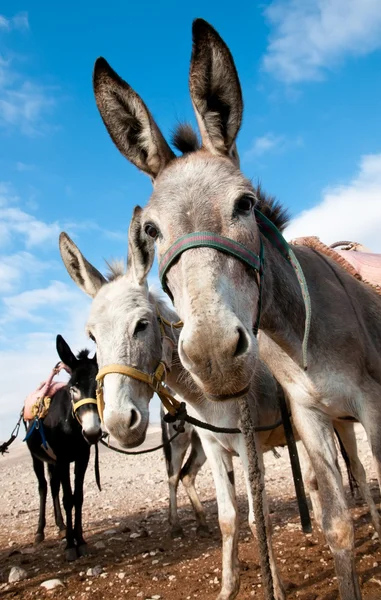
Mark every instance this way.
x=70 y=429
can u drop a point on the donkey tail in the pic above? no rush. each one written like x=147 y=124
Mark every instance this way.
x=351 y=479
x=97 y=472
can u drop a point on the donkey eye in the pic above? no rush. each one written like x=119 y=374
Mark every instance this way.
x=244 y=204
x=151 y=231
x=141 y=326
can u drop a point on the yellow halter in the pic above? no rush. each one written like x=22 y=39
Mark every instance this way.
x=154 y=380
x=77 y=405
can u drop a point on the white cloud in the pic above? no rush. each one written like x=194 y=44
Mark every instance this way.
x=350 y=212
x=265 y=143
x=19 y=21
x=13 y=220
x=271 y=143
x=15 y=267
x=22 y=167
x=28 y=304
x=310 y=36
x=24 y=103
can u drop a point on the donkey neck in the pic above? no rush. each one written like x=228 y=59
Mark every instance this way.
x=283 y=311
x=345 y=315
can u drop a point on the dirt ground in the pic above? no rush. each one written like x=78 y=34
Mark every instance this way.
x=126 y=527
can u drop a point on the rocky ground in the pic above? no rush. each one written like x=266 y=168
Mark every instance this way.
x=134 y=557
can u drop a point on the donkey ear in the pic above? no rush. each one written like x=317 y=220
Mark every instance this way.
x=129 y=122
x=65 y=353
x=87 y=277
x=215 y=90
x=141 y=250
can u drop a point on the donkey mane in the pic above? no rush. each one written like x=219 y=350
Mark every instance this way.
x=185 y=139
x=83 y=354
x=115 y=268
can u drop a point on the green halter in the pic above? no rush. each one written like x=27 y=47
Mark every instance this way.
x=209 y=239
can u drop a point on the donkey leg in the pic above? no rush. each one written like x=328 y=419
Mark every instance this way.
x=221 y=465
x=38 y=467
x=55 y=488
x=316 y=432
x=79 y=476
x=174 y=455
x=64 y=474
x=279 y=591
x=188 y=476
x=348 y=437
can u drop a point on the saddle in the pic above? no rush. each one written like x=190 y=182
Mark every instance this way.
x=38 y=402
x=355 y=258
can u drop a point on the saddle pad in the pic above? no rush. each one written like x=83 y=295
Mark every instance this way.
x=366 y=264
x=34 y=397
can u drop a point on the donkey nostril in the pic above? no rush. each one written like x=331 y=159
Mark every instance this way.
x=242 y=342
x=134 y=418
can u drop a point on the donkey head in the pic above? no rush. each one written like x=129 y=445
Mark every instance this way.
x=124 y=326
x=215 y=294
x=82 y=385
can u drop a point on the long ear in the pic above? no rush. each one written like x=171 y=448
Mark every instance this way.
x=129 y=122
x=215 y=90
x=141 y=250
x=65 y=353
x=87 y=277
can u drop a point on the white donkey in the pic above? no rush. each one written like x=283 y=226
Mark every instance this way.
x=126 y=321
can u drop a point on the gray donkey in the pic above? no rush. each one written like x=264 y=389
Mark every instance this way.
x=216 y=295
x=126 y=321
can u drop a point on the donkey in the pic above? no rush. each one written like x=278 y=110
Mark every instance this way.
x=126 y=320
x=186 y=473
x=216 y=295
x=69 y=434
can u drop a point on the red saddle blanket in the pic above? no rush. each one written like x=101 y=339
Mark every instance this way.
x=33 y=401
x=368 y=265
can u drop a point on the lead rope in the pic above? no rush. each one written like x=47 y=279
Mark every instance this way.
x=257 y=488
x=179 y=428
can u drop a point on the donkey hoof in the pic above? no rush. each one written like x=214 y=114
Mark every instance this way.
x=62 y=533
x=83 y=550
x=71 y=554
x=203 y=531
x=38 y=538
x=177 y=532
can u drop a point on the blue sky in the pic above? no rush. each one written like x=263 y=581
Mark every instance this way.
x=310 y=73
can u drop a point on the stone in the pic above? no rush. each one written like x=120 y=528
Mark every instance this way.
x=94 y=571
x=17 y=574
x=52 y=584
x=99 y=545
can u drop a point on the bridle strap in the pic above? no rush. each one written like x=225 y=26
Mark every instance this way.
x=154 y=380
x=77 y=405
x=207 y=239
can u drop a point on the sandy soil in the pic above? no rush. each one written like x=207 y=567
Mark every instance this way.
x=134 y=501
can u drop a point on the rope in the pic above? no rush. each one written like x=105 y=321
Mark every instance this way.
x=182 y=415
x=96 y=467
x=295 y=467
x=257 y=487
x=179 y=428
x=5 y=445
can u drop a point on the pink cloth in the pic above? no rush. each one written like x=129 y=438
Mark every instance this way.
x=46 y=389
x=366 y=264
